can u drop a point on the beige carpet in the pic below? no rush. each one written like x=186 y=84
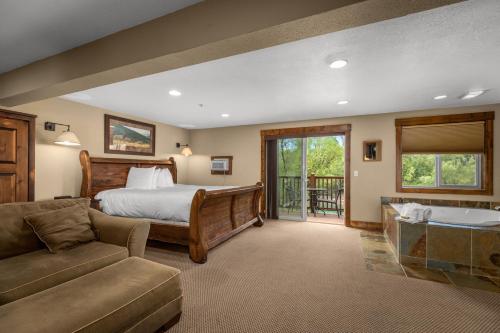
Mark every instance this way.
x=311 y=277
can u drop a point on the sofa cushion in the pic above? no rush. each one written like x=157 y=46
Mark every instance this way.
x=35 y=271
x=62 y=228
x=17 y=237
x=125 y=296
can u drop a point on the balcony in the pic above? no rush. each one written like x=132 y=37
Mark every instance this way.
x=325 y=197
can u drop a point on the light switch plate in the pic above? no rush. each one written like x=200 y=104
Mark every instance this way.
x=356 y=173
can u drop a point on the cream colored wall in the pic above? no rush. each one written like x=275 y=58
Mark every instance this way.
x=58 y=168
x=375 y=178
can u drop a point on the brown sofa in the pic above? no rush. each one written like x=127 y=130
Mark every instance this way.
x=94 y=287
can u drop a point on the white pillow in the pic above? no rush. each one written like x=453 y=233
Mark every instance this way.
x=141 y=178
x=163 y=178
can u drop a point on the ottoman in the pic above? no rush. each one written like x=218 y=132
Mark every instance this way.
x=132 y=295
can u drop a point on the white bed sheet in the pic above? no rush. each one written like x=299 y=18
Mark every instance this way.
x=170 y=203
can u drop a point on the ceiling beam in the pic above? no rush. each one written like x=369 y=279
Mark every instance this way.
x=209 y=30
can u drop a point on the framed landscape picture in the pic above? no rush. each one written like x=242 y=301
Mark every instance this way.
x=126 y=136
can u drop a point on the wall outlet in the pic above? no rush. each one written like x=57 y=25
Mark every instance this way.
x=356 y=173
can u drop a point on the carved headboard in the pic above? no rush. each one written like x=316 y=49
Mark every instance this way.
x=101 y=173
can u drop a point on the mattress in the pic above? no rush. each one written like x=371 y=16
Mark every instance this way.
x=169 y=204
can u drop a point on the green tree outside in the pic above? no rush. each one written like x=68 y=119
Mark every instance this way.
x=456 y=169
x=325 y=156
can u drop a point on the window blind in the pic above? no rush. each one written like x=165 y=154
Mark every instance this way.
x=443 y=138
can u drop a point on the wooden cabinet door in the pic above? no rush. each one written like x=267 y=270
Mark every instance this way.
x=14 y=159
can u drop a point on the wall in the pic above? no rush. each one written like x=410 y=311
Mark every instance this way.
x=375 y=179
x=58 y=168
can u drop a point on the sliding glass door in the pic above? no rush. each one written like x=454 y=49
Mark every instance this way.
x=291 y=155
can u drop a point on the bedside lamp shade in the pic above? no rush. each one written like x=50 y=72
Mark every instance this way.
x=186 y=151
x=67 y=139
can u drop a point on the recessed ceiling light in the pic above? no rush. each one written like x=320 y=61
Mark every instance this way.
x=473 y=94
x=342 y=102
x=440 y=97
x=175 y=93
x=336 y=64
x=187 y=126
x=224 y=115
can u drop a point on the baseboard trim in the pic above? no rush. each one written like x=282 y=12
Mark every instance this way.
x=372 y=226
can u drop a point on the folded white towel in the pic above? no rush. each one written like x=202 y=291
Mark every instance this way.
x=414 y=213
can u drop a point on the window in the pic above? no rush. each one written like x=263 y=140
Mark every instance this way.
x=445 y=154
x=442 y=170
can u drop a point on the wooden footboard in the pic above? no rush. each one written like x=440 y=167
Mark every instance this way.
x=218 y=215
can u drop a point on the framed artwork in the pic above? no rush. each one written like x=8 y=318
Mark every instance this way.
x=126 y=136
x=372 y=150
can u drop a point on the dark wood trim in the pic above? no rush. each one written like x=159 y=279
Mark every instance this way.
x=229 y=172
x=347 y=177
x=17 y=115
x=399 y=159
x=487 y=163
x=446 y=119
x=311 y=131
x=371 y=226
x=487 y=175
x=107 y=119
x=31 y=120
x=304 y=132
x=31 y=156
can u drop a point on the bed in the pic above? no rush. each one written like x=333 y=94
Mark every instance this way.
x=215 y=215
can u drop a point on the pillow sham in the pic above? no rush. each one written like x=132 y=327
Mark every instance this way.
x=140 y=178
x=163 y=178
x=62 y=228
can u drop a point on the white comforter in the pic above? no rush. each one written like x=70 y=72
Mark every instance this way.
x=170 y=203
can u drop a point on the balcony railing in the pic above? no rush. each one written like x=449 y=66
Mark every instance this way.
x=289 y=188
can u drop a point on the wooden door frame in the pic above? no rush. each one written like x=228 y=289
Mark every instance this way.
x=312 y=131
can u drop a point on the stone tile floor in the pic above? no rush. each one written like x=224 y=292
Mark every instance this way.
x=379 y=258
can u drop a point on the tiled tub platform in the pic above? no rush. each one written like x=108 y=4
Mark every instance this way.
x=379 y=258
x=450 y=248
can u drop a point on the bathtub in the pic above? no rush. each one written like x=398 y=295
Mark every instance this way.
x=472 y=217
x=456 y=239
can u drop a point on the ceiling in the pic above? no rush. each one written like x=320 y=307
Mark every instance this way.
x=33 y=29
x=394 y=65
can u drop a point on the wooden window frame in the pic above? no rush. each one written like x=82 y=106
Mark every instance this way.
x=486 y=163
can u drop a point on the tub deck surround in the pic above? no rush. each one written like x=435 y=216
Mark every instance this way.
x=441 y=202
x=450 y=248
x=460 y=216
x=379 y=258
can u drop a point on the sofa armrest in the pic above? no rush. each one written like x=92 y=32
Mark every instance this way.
x=123 y=231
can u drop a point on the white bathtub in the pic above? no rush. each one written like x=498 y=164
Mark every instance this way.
x=461 y=216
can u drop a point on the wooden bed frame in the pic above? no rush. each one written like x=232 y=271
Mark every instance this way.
x=215 y=215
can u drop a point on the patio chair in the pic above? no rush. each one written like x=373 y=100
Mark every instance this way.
x=335 y=202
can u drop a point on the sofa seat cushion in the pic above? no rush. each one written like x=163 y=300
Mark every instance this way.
x=35 y=271
x=123 y=297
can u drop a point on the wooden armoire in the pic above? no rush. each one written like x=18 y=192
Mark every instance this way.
x=17 y=156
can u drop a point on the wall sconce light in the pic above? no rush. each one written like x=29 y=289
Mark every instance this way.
x=66 y=138
x=186 y=151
